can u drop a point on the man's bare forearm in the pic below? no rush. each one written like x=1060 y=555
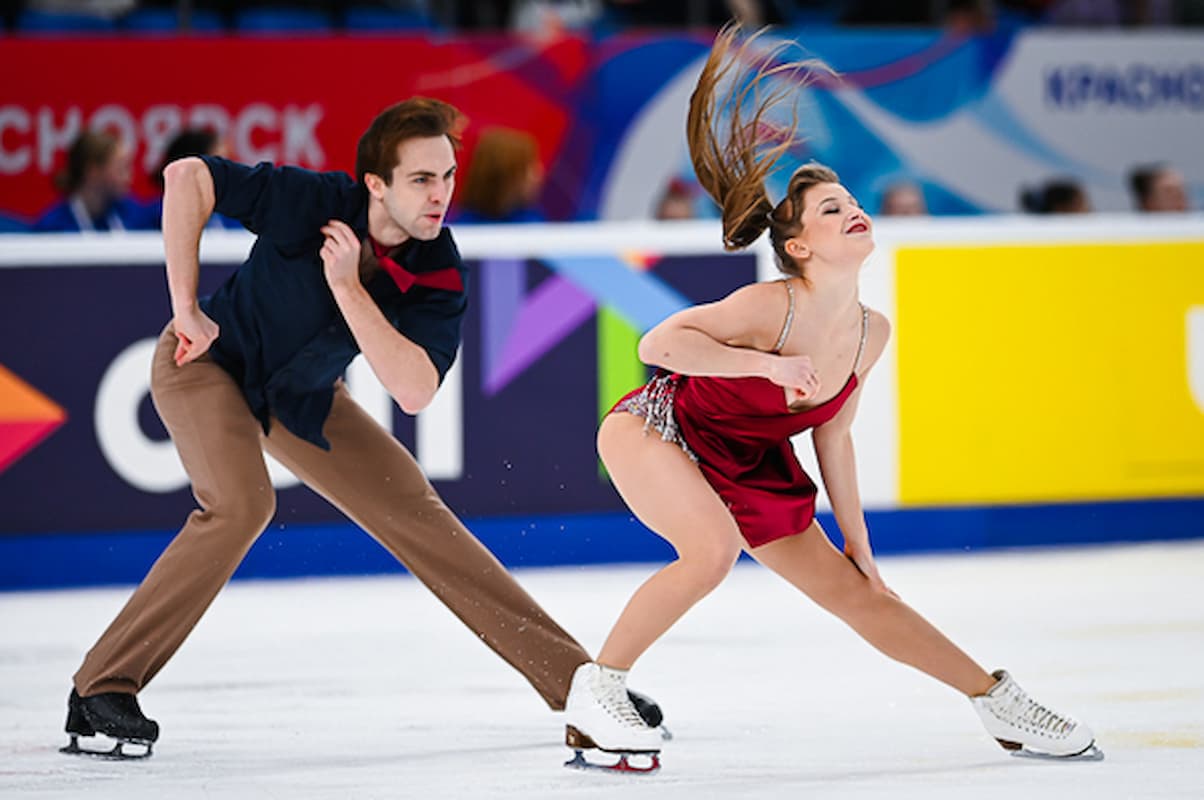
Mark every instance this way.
x=188 y=200
x=403 y=367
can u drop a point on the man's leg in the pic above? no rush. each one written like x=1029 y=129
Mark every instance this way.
x=375 y=481
x=219 y=442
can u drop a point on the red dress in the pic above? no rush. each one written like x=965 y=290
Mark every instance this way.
x=738 y=431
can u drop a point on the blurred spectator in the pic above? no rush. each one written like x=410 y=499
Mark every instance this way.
x=1189 y=12
x=505 y=178
x=903 y=199
x=968 y=17
x=693 y=13
x=190 y=142
x=1056 y=196
x=888 y=12
x=1158 y=187
x=1084 y=13
x=12 y=224
x=103 y=9
x=494 y=15
x=1110 y=13
x=96 y=183
x=677 y=201
x=958 y=16
x=554 y=16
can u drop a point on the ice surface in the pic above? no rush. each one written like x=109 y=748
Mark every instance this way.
x=368 y=688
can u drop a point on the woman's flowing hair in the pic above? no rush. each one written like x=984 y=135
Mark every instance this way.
x=735 y=144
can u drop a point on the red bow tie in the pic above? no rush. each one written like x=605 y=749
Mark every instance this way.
x=447 y=278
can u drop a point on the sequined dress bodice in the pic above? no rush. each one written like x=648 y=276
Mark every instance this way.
x=738 y=431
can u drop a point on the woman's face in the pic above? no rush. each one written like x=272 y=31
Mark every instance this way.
x=836 y=229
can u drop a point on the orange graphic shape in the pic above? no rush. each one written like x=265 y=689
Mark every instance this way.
x=26 y=418
x=639 y=260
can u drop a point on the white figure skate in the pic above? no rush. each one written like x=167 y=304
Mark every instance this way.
x=1027 y=728
x=600 y=716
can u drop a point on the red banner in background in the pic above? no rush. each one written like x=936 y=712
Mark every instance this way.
x=297 y=101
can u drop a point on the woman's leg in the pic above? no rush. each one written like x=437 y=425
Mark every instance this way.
x=812 y=564
x=667 y=492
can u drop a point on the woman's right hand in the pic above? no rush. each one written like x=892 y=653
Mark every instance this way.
x=195 y=332
x=863 y=560
x=797 y=375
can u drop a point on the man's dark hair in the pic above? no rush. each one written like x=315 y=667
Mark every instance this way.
x=418 y=117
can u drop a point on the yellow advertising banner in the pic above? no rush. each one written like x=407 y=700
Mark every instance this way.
x=1052 y=372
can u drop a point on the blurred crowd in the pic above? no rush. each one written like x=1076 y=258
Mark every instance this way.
x=1152 y=188
x=504 y=179
x=504 y=183
x=595 y=15
x=94 y=186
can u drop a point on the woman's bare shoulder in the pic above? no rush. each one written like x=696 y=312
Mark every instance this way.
x=762 y=308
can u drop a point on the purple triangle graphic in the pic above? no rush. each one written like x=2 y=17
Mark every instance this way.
x=502 y=283
x=551 y=312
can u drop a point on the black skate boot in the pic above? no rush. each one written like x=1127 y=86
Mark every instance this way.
x=115 y=715
x=650 y=712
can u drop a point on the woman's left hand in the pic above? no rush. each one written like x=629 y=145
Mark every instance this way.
x=863 y=559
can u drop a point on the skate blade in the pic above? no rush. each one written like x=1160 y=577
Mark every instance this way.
x=647 y=761
x=1092 y=753
x=578 y=740
x=623 y=764
x=117 y=753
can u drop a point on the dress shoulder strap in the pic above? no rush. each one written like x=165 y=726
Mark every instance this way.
x=865 y=330
x=781 y=342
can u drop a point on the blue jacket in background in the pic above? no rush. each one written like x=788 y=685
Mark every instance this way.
x=126 y=214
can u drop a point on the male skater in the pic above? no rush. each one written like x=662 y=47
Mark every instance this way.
x=340 y=266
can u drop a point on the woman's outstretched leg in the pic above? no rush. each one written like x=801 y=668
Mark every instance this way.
x=813 y=565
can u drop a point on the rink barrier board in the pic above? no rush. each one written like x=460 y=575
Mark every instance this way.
x=70 y=560
x=66 y=510
x=1054 y=372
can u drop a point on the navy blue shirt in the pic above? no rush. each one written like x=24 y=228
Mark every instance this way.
x=282 y=335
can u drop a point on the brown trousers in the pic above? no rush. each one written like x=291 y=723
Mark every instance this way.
x=366 y=473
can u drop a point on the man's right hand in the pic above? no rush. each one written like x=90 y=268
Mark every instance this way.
x=195 y=332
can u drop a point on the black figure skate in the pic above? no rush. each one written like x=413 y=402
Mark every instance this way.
x=115 y=715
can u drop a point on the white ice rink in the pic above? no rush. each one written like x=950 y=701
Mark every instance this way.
x=368 y=688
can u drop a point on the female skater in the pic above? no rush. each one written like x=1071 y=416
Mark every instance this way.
x=702 y=453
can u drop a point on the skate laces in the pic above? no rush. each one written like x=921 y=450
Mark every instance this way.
x=1022 y=710
x=609 y=688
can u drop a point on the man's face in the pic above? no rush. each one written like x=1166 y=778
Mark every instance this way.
x=417 y=197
